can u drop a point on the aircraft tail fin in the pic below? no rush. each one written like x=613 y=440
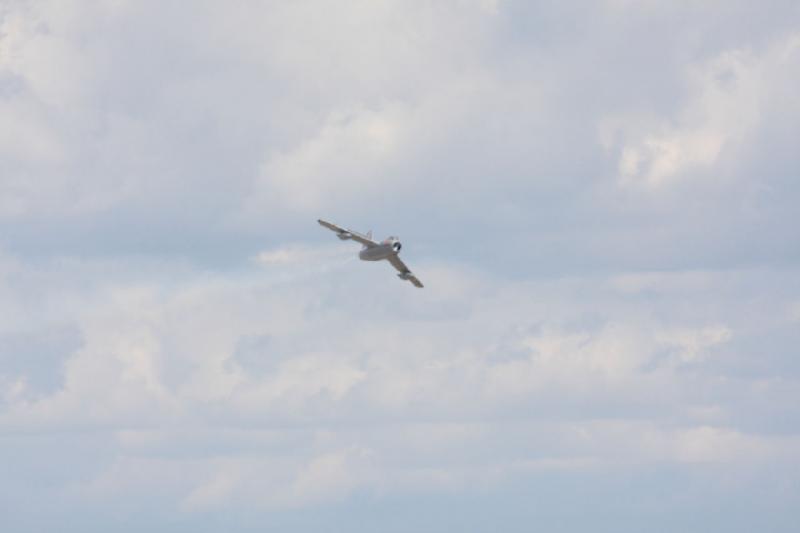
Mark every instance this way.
x=368 y=236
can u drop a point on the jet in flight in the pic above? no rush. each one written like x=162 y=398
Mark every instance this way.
x=376 y=251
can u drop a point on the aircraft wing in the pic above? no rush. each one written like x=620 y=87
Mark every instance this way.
x=405 y=273
x=346 y=234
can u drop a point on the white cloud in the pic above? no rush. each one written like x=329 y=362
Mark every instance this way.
x=375 y=388
x=693 y=344
x=726 y=97
x=349 y=154
x=294 y=258
x=172 y=345
x=708 y=444
x=214 y=492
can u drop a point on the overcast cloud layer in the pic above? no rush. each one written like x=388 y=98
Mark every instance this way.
x=601 y=198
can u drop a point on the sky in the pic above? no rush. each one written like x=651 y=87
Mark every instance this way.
x=600 y=197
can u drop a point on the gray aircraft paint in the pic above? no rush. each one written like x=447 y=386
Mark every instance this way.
x=384 y=250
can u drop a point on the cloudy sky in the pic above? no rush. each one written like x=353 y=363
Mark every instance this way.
x=601 y=198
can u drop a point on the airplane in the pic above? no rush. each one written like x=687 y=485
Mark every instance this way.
x=376 y=251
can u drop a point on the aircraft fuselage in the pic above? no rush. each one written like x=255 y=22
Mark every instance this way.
x=384 y=250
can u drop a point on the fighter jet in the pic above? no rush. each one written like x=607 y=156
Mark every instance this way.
x=375 y=251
